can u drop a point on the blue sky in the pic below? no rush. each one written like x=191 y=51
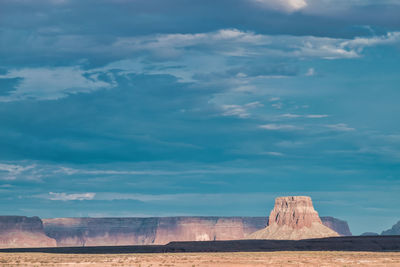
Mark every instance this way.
x=183 y=107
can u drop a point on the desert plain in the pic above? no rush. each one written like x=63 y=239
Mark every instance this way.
x=283 y=258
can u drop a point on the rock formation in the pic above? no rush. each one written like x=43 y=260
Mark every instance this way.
x=339 y=226
x=293 y=218
x=395 y=230
x=21 y=232
x=146 y=231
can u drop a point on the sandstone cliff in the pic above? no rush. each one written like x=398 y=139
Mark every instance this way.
x=21 y=231
x=146 y=231
x=293 y=218
x=339 y=226
x=395 y=230
x=158 y=230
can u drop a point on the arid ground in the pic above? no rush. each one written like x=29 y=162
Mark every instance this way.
x=206 y=259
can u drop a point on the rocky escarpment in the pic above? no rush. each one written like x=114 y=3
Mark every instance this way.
x=158 y=230
x=205 y=228
x=21 y=232
x=395 y=230
x=339 y=226
x=101 y=231
x=146 y=231
x=293 y=218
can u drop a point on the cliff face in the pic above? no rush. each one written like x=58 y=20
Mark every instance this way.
x=21 y=231
x=339 y=226
x=156 y=230
x=146 y=231
x=395 y=230
x=101 y=231
x=294 y=218
x=205 y=228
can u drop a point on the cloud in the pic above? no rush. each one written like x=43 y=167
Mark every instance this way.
x=283 y=5
x=52 y=83
x=235 y=110
x=69 y=197
x=342 y=127
x=273 y=153
x=316 y=116
x=189 y=57
x=273 y=99
x=310 y=72
x=277 y=105
x=275 y=127
x=12 y=171
x=289 y=115
x=241 y=111
x=360 y=42
x=234 y=42
x=310 y=116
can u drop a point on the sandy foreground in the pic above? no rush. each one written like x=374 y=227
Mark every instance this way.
x=206 y=259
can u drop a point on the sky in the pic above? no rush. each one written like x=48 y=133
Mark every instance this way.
x=185 y=107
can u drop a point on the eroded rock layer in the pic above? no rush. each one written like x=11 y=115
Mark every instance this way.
x=158 y=230
x=23 y=232
x=145 y=231
x=293 y=218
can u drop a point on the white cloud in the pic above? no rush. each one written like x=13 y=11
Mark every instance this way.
x=273 y=153
x=241 y=111
x=277 y=105
x=235 y=110
x=233 y=42
x=274 y=127
x=289 y=115
x=316 y=116
x=12 y=170
x=310 y=72
x=52 y=83
x=283 y=5
x=359 y=43
x=68 y=197
x=342 y=127
x=273 y=99
x=310 y=116
x=183 y=56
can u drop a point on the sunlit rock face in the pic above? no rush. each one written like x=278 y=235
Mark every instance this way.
x=146 y=231
x=158 y=230
x=293 y=218
x=206 y=228
x=101 y=231
x=21 y=232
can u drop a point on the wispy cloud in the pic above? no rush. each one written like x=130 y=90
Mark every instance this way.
x=275 y=127
x=342 y=127
x=241 y=111
x=52 y=83
x=282 y=5
x=273 y=153
x=69 y=197
x=310 y=72
x=310 y=116
x=12 y=171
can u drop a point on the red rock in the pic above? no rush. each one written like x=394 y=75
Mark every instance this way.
x=21 y=232
x=294 y=218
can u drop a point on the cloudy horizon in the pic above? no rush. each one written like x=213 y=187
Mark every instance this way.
x=163 y=108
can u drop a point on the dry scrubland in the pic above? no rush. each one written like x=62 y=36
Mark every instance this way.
x=205 y=259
